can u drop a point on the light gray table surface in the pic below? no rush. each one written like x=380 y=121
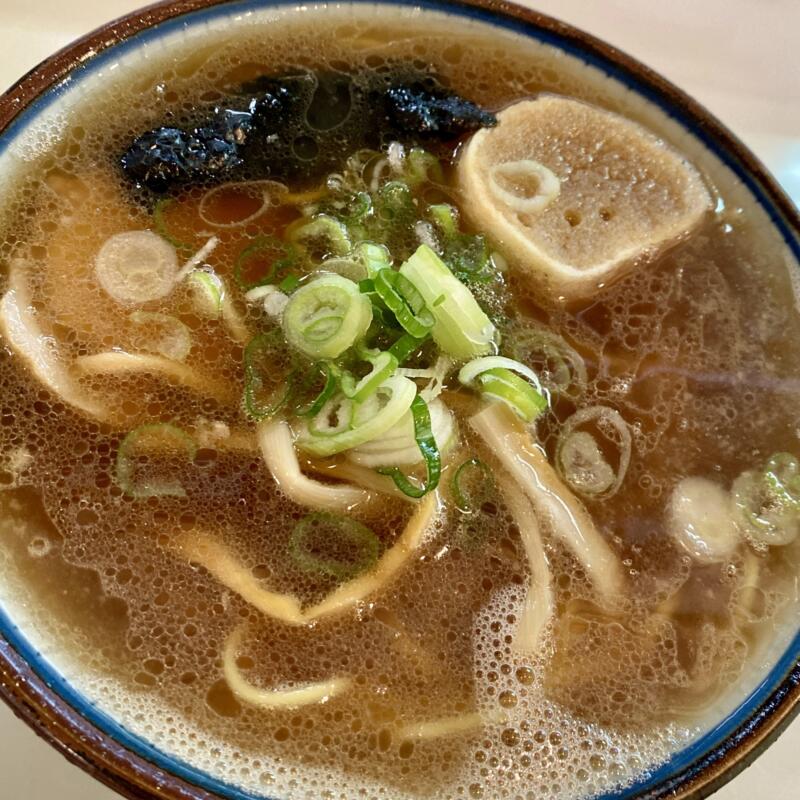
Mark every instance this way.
x=738 y=57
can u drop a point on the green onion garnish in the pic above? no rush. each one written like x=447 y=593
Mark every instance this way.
x=207 y=292
x=422 y=167
x=249 y=270
x=503 y=385
x=472 y=483
x=405 y=302
x=357 y=423
x=383 y=367
x=461 y=328
x=315 y=405
x=423 y=434
x=161 y=438
x=322 y=231
x=266 y=389
x=353 y=547
x=406 y=346
x=161 y=227
x=326 y=316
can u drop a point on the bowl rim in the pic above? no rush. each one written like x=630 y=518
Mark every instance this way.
x=41 y=698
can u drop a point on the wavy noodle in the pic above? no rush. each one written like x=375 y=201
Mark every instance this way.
x=118 y=362
x=367 y=478
x=277 y=449
x=19 y=327
x=209 y=552
x=203 y=549
x=513 y=446
x=539 y=603
x=449 y=726
x=306 y=695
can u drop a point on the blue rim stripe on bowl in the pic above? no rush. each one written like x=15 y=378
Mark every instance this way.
x=696 y=756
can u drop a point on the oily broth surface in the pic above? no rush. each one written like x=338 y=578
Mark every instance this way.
x=694 y=350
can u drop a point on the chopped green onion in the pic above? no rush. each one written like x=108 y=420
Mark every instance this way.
x=280 y=258
x=164 y=334
x=503 y=385
x=461 y=327
x=325 y=317
x=207 y=292
x=467 y=255
x=368 y=420
x=474 y=368
x=161 y=224
x=423 y=434
x=374 y=257
x=768 y=502
x=395 y=203
x=358 y=207
x=354 y=547
x=163 y=438
x=560 y=366
x=422 y=167
x=315 y=405
x=472 y=473
x=321 y=228
x=445 y=217
x=334 y=418
x=289 y=284
x=383 y=367
x=406 y=346
x=266 y=388
x=405 y=302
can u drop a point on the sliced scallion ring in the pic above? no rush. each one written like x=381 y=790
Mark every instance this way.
x=405 y=302
x=326 y=316
x=316 y=404
x=207 y=291
x=266 y=389
x=321 y=228
x=471 y=484
x=162 y=438
x=579 y=458
x=249 y=270
x=474 y=368
x=370 y=419
x=136 y=267
x=561 y=368
x=335 y=418
x=374 y=257
x=353 y=547
x=503 y=385
x=423 y=434
x=383 y=367
x=163 y=334
x=160 y=224
x=420 y=166
x=767 y=502
x=461 y=327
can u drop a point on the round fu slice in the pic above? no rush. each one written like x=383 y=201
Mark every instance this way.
x=576 y=195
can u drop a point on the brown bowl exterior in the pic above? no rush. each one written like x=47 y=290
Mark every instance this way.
x=52 y=718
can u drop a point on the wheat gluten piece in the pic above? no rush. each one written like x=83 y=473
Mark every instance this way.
x=577 y=196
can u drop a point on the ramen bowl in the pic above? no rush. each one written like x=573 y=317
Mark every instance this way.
x=35 y=680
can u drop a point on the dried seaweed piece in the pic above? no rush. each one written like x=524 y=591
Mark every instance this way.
x=427 y=113
x=297 y=126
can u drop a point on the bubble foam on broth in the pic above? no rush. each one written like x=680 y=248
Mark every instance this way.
x=159 y=671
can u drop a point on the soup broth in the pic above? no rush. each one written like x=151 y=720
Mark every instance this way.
x=149 y=550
